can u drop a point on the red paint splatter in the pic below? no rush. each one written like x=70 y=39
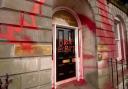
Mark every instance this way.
x=81 y=82
x=106 y=25
x=87 y=56
x=88 y=22
x=26 y=47
x=12 y=31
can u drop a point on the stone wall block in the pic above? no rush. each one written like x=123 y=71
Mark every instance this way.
x=29 y=80
x=9 y=17
x=45 y=77
x=46 y=63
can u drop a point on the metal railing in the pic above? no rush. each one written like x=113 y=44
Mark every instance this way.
x=118 y=73
x=4 y=84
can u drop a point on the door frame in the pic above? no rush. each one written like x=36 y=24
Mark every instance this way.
x=76 y=53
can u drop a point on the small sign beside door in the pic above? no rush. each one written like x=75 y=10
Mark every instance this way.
x=33 y=50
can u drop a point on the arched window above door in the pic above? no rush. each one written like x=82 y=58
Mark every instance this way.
x=64 y=18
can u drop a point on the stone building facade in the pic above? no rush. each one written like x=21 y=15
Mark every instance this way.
x=28 y=41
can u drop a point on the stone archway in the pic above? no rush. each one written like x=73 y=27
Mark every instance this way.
x=87 y=39
x=65 y=45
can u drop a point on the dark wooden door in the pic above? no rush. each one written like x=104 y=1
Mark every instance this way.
x=65 y=53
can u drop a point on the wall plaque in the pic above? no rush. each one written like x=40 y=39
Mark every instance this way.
x=33 y=50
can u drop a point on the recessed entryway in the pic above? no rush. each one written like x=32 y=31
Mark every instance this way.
x=65 y=47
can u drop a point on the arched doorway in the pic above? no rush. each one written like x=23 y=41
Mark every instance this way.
x=78 y=17
x=65 y=46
